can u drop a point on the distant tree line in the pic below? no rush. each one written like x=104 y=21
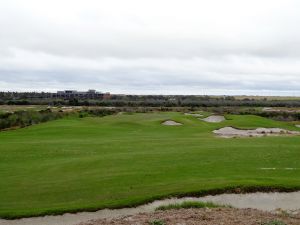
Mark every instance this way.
x=153 y=101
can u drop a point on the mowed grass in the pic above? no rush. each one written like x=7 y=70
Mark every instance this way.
x=91 y=163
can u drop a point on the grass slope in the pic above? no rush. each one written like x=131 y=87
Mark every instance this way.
x=85 y=164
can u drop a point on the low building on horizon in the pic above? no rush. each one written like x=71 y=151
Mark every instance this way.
x=90 y=94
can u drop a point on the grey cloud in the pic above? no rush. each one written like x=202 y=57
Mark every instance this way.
x=169 y=47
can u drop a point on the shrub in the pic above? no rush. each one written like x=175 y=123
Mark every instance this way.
x=157 y=222
x=27 y=118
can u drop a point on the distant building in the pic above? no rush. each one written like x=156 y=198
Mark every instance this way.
x=90 y=94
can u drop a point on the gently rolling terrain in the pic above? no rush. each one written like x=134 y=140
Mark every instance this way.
x=77 y=164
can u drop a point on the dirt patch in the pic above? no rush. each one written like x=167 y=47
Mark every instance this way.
x=171 y=123
x=298 y=125
x=214 y=119
x=230 y=132
x=224 y=216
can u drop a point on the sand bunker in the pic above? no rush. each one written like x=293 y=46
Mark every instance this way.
x=230 y=132
x=262 y=201
x=214 y=119
x=193 y=114
x=171 y=123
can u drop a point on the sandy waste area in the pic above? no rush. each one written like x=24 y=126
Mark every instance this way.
x=230 y=132
x=246 y=208
x=219 y=216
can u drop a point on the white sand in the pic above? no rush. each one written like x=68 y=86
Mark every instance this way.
x=171 y=123
x=214 y=119
x=229 y=132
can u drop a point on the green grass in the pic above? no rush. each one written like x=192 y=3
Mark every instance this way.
x=157 y=222
x=74 y=164
x=190 y=204
x=274 y=222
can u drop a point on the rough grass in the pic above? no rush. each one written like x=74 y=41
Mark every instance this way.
x=75 y=164
x=157 y=222
x=274 y=222
x=191 y=204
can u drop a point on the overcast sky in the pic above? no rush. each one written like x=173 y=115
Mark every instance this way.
x=151 y=47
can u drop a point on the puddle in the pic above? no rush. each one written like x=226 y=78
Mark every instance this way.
x=262 y=201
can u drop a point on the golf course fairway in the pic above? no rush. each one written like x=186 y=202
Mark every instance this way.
x=82 y=164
